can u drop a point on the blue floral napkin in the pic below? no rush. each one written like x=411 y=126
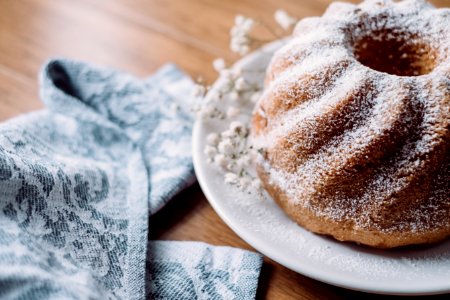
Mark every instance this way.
x=77 y=183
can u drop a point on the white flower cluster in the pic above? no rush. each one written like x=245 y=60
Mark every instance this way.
x=227 y=98
x=230 y=152
x=284 y=19
x=241 y=40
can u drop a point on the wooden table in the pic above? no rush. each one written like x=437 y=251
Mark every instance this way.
x=138 y=37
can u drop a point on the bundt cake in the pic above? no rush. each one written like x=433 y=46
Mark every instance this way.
x=353 y=127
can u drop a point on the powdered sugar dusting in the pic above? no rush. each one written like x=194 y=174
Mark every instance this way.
x=395 y=135
x=264 y=225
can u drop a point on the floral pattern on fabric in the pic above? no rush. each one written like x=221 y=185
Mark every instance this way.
x=78 y=179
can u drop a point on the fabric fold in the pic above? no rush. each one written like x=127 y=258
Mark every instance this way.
x=79 y=179
x=194 y=270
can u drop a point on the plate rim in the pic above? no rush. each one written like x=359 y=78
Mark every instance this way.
x=269 y=250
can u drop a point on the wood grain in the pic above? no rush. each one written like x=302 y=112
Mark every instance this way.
x=139 y=36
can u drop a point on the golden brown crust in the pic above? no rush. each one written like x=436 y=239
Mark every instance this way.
x=354 y=124
x=345 y=231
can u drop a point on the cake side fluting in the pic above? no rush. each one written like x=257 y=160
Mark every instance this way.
x=356 y=152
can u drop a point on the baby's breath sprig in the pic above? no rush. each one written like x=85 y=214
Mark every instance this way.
x=226 y=99
x=285 y=20
x=230 y=150
x=241 y=40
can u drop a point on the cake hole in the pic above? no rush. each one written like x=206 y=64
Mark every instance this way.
x=404 y=56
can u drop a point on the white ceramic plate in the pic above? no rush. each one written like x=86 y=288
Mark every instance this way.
x=261 y=223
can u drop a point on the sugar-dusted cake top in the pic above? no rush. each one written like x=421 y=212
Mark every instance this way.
x=354 y=121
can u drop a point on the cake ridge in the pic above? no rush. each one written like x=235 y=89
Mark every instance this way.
x=362 y=153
